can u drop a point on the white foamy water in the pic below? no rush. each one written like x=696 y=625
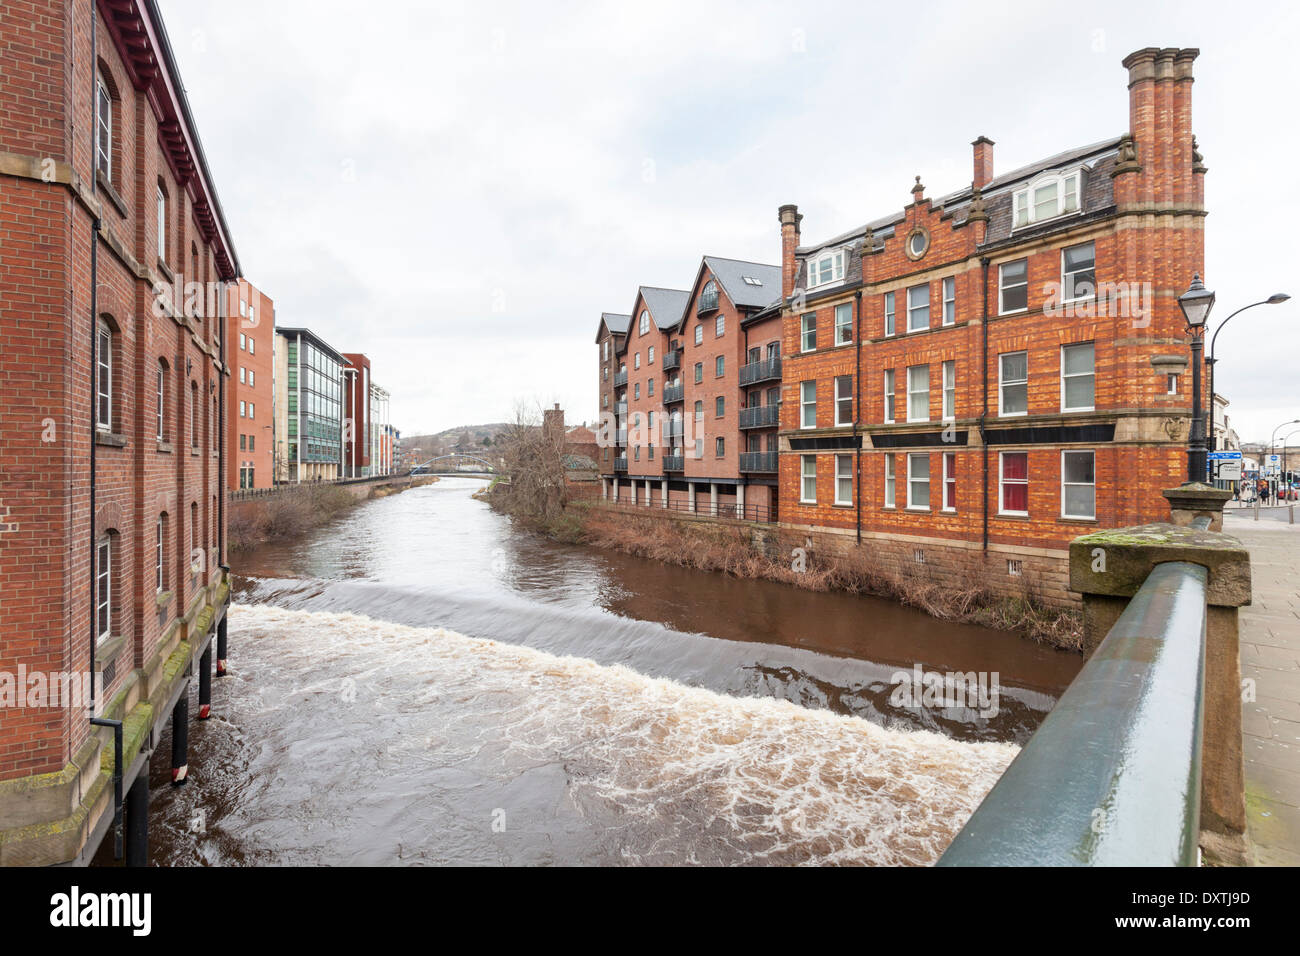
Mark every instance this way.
x=358 y=741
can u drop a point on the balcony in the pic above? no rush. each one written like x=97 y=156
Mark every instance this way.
x=621 y=440
x=760 y=461
x=756 y=372
x=760 y=416
x=674 y=394
x=620 y=410
x=672 y=360
x=620 y=378
x=620 y=464
x=674 y=462
x=672 y=430
x=708 y=303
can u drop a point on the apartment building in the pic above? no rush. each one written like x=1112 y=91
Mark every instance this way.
x=308 y=424
x=116 y=260
x=973 y=380
x=250 y=332
x=356 y=416
x=610 y=335
x=381 y=432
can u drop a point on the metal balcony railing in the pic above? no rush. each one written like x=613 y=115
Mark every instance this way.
x=760 y=416
x=620 y=464
x=674 y=462
x=672 y=360
x=620 y=379
x=674 y=393
x=620 y=409
x=757 y=461
x=756 y=372
x=621 y=438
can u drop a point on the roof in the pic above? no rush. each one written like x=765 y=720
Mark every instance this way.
x=308 y=333
x=738 y=279
x=667 y=306
x=616 y=322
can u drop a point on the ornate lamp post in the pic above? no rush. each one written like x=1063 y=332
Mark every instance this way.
x=1277 y=298
x=1196 y=303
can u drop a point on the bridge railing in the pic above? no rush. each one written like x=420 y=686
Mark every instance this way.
x=1140 y=762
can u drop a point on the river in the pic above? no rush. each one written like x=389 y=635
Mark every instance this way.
x=419 y=683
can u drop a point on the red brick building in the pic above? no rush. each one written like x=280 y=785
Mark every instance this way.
x=250 y=337
x=356 y=415
x=115 y=255
x=973 y=380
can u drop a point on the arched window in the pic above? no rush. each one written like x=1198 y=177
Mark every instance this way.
x=645 y=321
x=106 y=576
x=105 y=362
x=103 y=126
x=709 y=297
x=1048 y=196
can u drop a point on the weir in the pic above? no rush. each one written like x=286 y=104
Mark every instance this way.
x=1140 y=762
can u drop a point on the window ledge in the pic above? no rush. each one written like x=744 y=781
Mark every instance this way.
x=1011 y=517
x=166 y=271
x=163 y=598
x=194 y=453
x=111 y=439
x=165 y=447
x=1067 y=520
x=114 y=196
x=106 y=651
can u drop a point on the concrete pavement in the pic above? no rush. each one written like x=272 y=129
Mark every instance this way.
x=1270 y=656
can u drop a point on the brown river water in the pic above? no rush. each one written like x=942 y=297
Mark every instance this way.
x=419 y=683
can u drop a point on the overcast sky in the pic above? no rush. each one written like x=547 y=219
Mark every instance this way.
x=460 y=189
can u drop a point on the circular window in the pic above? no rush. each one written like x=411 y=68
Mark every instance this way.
x=917 y=243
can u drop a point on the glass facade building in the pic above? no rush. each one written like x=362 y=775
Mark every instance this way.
x=313 y=396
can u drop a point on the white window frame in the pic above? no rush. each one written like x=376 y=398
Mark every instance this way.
x=804 y=477
x=1066 y=183
x=839 y=399
x=242 y=375
x=806 y=406
x=805 y=331
x=1079 y=484
x=843 y=473
x=891 y=481
x=699 y=333
x=636 y=361
x=948 y=374
x=1002 y=287
x=843 y=323
x=252 y=380
x=1002 y=383
x=914 y=309
x=194 y=418
x=104 y=377
x=103 y=128
x=158 y=557
x=650 y=355
x=162 y=403
x=830 y=261
x=913 y=391
x=949 y=295
x=1002 y=483
x=890 y=396
x=912 y=479
x=949 y=479
x=1092 y=375
x=643 y=323
x=1171 y=383
x=1066 y=283
x=162 y=224
x=891 y=316
x=104 y=588
x=720 y=325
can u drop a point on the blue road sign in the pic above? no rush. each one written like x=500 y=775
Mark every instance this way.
x=1223 y=455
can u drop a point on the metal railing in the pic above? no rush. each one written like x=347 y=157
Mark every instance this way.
x=620 y=409
x=1112 y=777
x=674 y=393
x=674 y=462
x=620 y=464
x=760 y=416
x=620 y=379
x=761 y=461
x=760 y=371
x=758 y=513
x=672 y=360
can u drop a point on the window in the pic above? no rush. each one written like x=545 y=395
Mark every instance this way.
x=243 y=410
x=889 y=396
x=918 y=393
x=950 y=481
x=808 y=479
x=636 y=391
x=1078 y=485
x=650 y=356
x=807 y=404
x=194 y=416
x=162 y=401
x=699 y=334
x=252 y=345
x=162 y=224
x=843 y=323
x=242 y=342
x=720 y=406
x=103 y=128
x=1013 y=286
x=104 y=589
x=918 y=308
x=720 y=326
x=251 y=380
x=1078 y=272
x=1013 y=483
x=644 y=327
x=720 y=366
x=949 y=300
x=1013 y=383
x=104 y=378
x=636 y=360
x=918 y=481
x=159 y=563
x=844 y=400
x=243 y=443
x=709 y=297
x=252 y=409
x=889 y=313
x=650 y=387
x=949 y=390
x=808 y=332
x=844 y=479
x=699 y=372
x=1171 y=383
x=252 y=446
x=1078 y=377
x=243 y=307
x=889 y=481
x=1047 y=198
x=826 y=267
x=252 y=315
x=720 y=448
x=604 y=347
x=241 y=375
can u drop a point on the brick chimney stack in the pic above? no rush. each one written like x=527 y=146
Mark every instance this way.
x=983 y=162
x=790 y=217
x=1158 y=166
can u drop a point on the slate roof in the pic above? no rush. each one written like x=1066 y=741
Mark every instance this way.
x=666 y=305
x=731 y=274
x=616 y=322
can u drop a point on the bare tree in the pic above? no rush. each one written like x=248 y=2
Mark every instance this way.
x=533 y=453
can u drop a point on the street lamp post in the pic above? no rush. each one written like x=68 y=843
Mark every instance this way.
x=1272 y=439
x=1277 y=298
x=1196 y=303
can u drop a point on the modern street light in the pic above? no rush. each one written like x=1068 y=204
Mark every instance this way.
x=1277 y=298
x=1196 y=303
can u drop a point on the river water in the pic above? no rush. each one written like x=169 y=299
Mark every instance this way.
x=419 y=683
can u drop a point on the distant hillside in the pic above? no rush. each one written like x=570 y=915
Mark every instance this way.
x=473 y=439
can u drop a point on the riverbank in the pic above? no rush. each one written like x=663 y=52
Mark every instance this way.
x=294 y=510
x=747 y=551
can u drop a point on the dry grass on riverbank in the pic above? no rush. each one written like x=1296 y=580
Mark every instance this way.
x=729 y=549
x=289 y=513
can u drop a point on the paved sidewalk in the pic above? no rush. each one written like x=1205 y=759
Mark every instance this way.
x=1270 y=655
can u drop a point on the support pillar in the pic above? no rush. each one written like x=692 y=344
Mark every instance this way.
x=664 y=489
x=690 y=490
x=740 y=501
x=649 y=492
x=221 y=647
x=604 y=489
x=181 y=739
x=713 y=500
x=137 y=820
x=616 y=484
x=205 y=684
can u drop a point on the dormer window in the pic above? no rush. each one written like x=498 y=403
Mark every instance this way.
x=752 y=280
x=1048 y=197
x=825 y=267
x=645 y=321
x=708 y=298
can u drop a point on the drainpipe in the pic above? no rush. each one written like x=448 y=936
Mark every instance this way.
x=117 y=777
x=221 y=426
x=94 y=364
x=984 y=367
x=857 y=408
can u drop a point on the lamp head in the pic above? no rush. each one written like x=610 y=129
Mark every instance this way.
x=1196 y=303
x=1277 y=298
